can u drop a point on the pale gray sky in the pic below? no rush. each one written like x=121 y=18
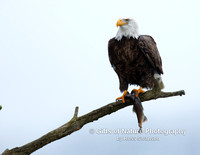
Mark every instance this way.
x=53 y=57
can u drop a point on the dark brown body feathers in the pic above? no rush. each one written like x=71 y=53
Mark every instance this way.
x=135 y=61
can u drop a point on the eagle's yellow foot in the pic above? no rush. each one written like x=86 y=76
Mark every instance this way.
x=138 y=91
x=122 y=97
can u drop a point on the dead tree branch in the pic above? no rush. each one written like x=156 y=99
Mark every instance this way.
x=76 y=123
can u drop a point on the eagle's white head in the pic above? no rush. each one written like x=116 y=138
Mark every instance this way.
x=127 y=28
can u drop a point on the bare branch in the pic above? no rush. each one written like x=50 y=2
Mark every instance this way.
x=76 y=112
x=77 y=123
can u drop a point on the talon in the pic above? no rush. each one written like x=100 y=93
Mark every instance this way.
x=122 y=97
x=138 y=91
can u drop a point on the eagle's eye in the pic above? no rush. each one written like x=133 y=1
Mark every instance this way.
x=126 y=19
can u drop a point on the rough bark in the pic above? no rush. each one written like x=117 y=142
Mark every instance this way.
x=76 y=123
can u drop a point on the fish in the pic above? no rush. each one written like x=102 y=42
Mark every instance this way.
x=138 y=109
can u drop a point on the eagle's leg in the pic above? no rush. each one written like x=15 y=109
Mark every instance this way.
x=122 y=97
x=138 y=91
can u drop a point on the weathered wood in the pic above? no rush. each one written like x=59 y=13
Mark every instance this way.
x=76 y=123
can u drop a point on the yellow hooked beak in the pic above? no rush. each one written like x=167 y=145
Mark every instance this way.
x=120 y=22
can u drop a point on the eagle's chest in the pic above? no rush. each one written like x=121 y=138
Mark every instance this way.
x=130 y=54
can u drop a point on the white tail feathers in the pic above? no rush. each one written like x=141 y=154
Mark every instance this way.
x=159 y=80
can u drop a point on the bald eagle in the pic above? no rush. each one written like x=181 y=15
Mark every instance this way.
x=135 y=58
